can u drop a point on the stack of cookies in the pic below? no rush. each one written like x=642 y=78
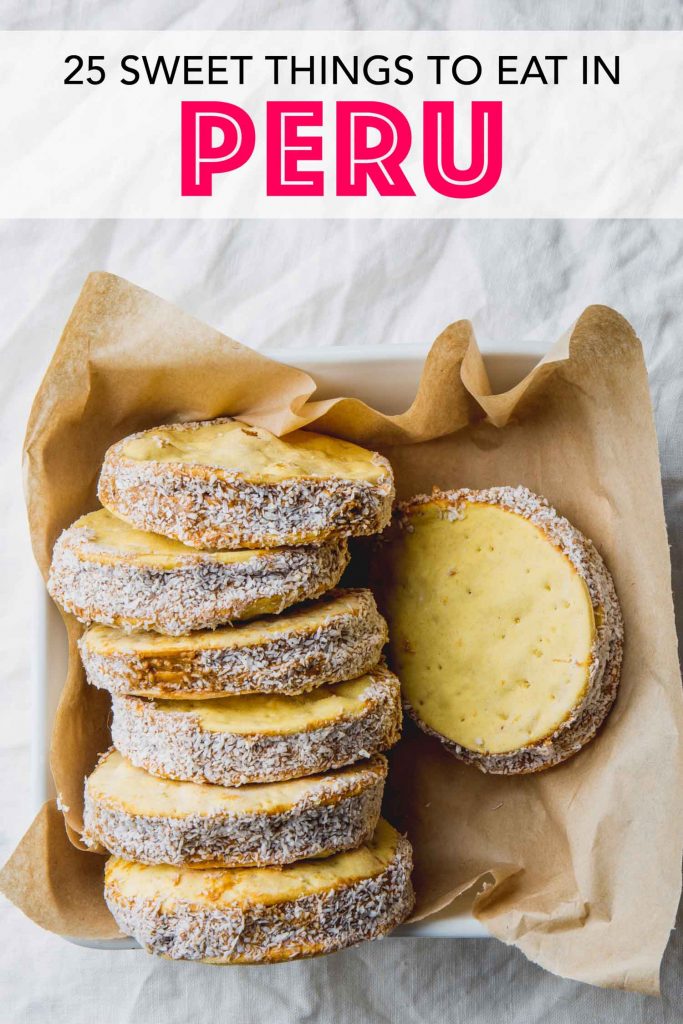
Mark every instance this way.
x=241 y=799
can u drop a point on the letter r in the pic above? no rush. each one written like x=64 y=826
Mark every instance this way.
x=359 y=160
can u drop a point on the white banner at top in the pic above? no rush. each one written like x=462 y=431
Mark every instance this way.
x=341 y=124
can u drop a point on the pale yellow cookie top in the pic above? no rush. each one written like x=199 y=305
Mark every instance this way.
x=108 y=640
x=255 y=453
x=104 y=538
x=265 y=714
x=226 y=887
x=119 y=784
x=491 y=627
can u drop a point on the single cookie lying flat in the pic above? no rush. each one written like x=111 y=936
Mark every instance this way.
x=256 y=738
x=339 y=636
x=223 y=484
x=140 y=817
x=264 y=915
x=105 y=571
x=505 y=626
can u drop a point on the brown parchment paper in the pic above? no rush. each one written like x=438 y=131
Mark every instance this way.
x=578 y=866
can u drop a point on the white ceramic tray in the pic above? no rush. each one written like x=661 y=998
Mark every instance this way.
x=386 y=377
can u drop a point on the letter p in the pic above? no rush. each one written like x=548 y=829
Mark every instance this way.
x=215 y=137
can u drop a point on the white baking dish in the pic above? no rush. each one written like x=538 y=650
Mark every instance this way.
x=387 y=379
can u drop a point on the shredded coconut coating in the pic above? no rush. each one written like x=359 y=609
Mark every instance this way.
x=607 y=650
x=174 y=745
x=198 y=593
x=340 y=815
x=312 y=925
x=343 y=646
x=209 y=507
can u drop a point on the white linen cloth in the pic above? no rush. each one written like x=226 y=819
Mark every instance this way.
x=290 y=284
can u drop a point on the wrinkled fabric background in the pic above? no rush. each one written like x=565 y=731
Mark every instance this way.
x=319 y=283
